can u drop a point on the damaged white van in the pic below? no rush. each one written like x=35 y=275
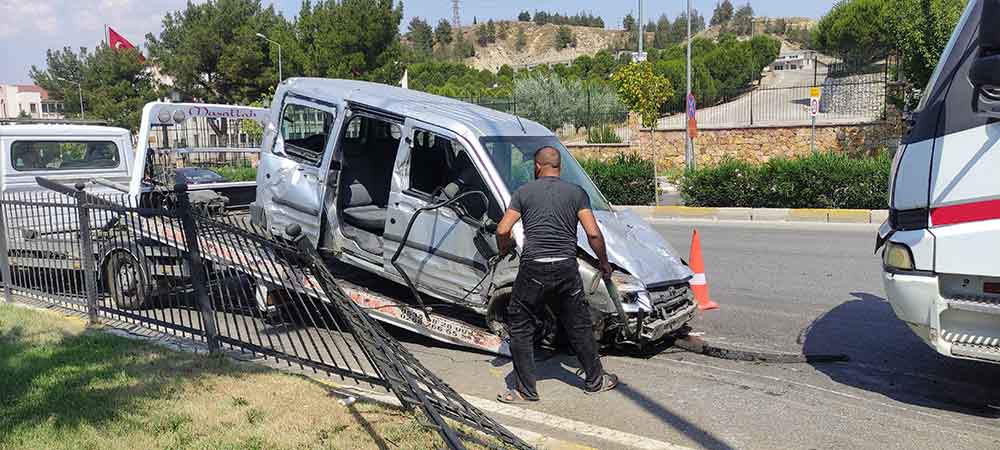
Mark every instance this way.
x=409 y=186
x=941 y=262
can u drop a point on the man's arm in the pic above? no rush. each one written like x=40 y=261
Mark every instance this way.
x=595 y=238
x=505 y=237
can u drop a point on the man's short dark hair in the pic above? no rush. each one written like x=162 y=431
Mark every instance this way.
x=548 y=156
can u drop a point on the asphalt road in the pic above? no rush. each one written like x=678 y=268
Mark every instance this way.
x=793 y=288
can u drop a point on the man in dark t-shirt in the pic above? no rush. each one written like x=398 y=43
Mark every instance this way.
x=550 y=209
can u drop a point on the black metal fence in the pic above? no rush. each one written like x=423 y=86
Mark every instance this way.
x=841 y=101
x=217 y=278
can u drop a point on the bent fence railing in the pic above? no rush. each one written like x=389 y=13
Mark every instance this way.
x=169 y=266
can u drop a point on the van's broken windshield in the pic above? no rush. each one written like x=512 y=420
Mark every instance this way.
x=514 y=159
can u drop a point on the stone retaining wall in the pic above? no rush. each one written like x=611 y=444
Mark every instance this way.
x=757 y=144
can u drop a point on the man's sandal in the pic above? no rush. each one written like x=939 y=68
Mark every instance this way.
x=609 y=381
x=514 y=397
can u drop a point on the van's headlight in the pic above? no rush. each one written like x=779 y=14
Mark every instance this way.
x=898 y=256
x=630 y=288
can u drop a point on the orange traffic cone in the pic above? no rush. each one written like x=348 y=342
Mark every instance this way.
x=699 y=284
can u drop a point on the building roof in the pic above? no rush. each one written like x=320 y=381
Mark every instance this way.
x=33 y=88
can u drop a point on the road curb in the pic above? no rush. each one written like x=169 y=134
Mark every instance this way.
x=817 y=215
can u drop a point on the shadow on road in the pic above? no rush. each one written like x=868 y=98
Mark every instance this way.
x=691 y=430
x=889 y=359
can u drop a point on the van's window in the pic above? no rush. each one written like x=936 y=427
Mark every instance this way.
x=63 y=155
x=430 y=158
x=514 y=159
x=305 y=131
x=442 y=167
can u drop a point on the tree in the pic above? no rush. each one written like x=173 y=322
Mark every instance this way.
x=442 y=32
x=742 y=22
x=628 y=23
x=503 y=30
x=921 y=29
x=678 y=31
x=521 y=41
x=722 y=14
x=524 y=16
x=463 y=48
x=642 y=91
x=697 y=21
x=115 y=82
x=421 y=36
x=348 y=39
x=212 y=53
x=491 y=31
x=662 y=32
x=857 y=30
x=565 y=37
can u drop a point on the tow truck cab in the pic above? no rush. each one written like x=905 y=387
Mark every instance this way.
x=65 y=153
x=941 y=269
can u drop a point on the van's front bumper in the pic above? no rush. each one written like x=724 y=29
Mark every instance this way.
x=967 y=328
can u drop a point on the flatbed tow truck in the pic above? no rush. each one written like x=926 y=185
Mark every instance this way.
x=177 y=135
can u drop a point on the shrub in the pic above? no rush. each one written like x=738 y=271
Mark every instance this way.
x=237 y=173
x=822 y=180
x=624 y=179
x=603 y=134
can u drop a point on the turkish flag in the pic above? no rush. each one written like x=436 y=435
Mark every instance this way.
x=117 y=41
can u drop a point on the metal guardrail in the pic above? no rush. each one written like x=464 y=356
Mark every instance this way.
x=174 y=267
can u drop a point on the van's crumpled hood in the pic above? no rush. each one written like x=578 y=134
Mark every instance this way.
x=634 y=246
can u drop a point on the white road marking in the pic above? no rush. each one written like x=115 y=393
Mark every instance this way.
x=572 y=426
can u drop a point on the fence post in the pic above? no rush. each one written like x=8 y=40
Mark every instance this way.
x=89 y=264
x=198 y=276
x=751 y=106
x=4 y=256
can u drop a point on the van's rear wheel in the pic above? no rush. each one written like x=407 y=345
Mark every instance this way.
x=128 y=281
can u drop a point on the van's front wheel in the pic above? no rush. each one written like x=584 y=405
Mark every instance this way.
x=128 y=281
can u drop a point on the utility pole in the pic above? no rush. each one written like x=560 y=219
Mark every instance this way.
x=279 y=54
x=639 y=22
x=688 y=142
x=456 y=18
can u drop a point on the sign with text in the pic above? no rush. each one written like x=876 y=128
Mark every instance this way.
x=814 y=95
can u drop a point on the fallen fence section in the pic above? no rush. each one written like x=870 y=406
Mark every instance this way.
x=171 y=266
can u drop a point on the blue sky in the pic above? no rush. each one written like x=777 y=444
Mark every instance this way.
x=28 y=28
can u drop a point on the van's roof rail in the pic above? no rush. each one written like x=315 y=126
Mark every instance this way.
x=26 y=121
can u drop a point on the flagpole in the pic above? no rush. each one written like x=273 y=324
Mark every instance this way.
x=107 y=36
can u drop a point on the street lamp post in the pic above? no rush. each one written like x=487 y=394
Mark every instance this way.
x=688 y=142
x=279 y=54
x=79 y=86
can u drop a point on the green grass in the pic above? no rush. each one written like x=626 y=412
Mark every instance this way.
x=237 y=173
x=64 y=386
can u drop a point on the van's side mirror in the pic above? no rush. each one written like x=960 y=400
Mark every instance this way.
x=985 y=71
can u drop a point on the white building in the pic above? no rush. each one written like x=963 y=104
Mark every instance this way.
x=802 y=59
x=28 y=99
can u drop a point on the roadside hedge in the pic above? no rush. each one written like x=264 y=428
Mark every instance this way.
x=822 y=180
x=624 y=179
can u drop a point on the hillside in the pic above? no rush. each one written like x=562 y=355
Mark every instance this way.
x=539 y=45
